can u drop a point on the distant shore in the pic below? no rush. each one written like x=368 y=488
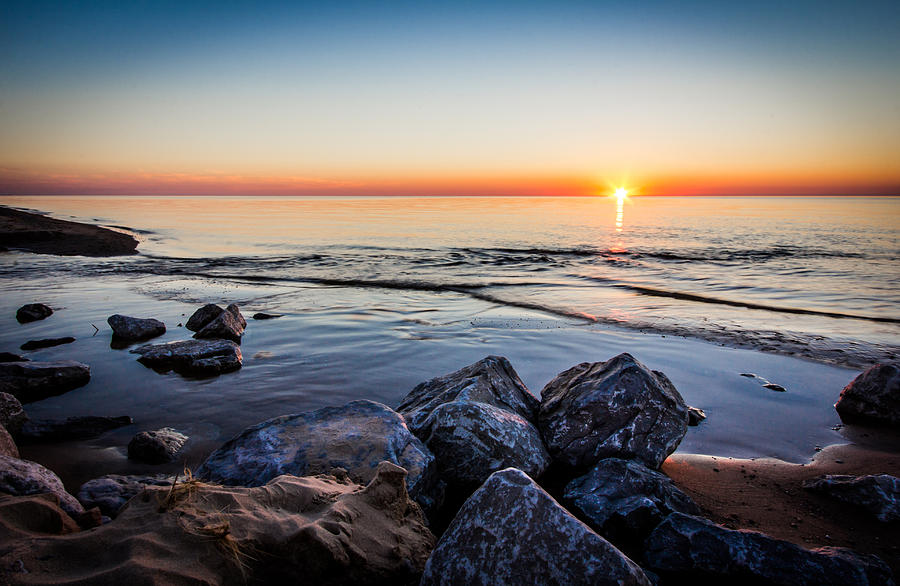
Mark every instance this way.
x=43 y=235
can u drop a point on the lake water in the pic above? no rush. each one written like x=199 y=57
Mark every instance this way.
x=381 y=293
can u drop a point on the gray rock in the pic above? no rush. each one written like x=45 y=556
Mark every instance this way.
x=234 y=310
x=511 y=531
x=70 y=429
x=623 y=500
x=135 y=328
x=695 y=416
x=203 y=316
x=229 y=325
x=473 y=440
x=355 y=437
x=156 y=447
x=32 y=381
x=111 y=492
x=10 y=357
x=872 y=397
x=683 y=547
x=46 y=343
x=33 y=312
x=617 y=408
x=491 y=380
x=7 y=444
x=193 y=357
x=12 y=415
x=878 y=494
x=23 y=477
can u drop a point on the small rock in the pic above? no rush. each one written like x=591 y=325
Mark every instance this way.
x=156 y=447
x=355 y=437
x=774 y=387
x=33 y=312
x=70 y=429
x=203 y=316
x=623 y=500
x=872 y=397
x=7 y=444
x=695 y=416
x=46 y=343
x=878 y=494
x=234 y=310
x=111 y=492
x=10 y=357
x=511 y=531
x=23 y=477
x=266 y=316
x=12 y=415
x=617 y=408
x=192 y=357
x=229 y=325
x=127 y=328
x=32 y=381
x=683 y=547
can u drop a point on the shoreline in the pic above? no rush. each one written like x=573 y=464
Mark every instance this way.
x=44 y=235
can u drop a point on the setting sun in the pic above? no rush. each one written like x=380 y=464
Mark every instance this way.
x=621 y=193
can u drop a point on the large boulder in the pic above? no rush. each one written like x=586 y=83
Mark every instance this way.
x=473 y=440
x=33 y=381
x=872 y=397
x=227 y=325
x=878 y=494
x=354 y=437
x=69 y=429
x=33 y=312
x=683 y=548
x=203 y=316
x=618 y=408
x=511 y=531
x=12 y=415
x=23 y=477
x=110 y=493
x=491 y=380
x=156 y=447
x=192 y=357
x=623 y=500
x=290 y=531
x=127 y=328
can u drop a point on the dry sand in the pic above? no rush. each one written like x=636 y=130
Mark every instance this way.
x=766 y=495
x=37 y=233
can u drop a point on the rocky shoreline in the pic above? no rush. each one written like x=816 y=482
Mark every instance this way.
x=36 y=233
x=471 y=479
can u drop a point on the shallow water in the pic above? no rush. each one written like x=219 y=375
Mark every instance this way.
x=369 y=311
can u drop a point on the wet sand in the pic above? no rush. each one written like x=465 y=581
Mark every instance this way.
x=36 y=233
x=764 y=494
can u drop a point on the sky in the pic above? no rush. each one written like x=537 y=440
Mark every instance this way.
x=450 y=98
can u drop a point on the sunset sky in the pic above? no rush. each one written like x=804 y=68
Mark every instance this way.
x=468 y=98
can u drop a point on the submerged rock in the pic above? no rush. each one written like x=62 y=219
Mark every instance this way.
x=872 y=397
x=228 y=325
x=203 y=316
x=878 y=494
x=156 y=447
x=12 y=415
x=355 y=437
x=193 y=357
x=32 y=381
x=10 y=357
x=290 y=531
x=624 y=500
x=491 y=380
x=511 y=531
x=110 y=493
x=695 y=416
x=72 y=428
x=683 y=547
x=617 y=408
x=127 y=328
x=260 y=316
x=23 y=477
x=33 y=312
x=46 y=343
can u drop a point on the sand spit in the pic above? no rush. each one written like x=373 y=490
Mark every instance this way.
x=37 y=233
